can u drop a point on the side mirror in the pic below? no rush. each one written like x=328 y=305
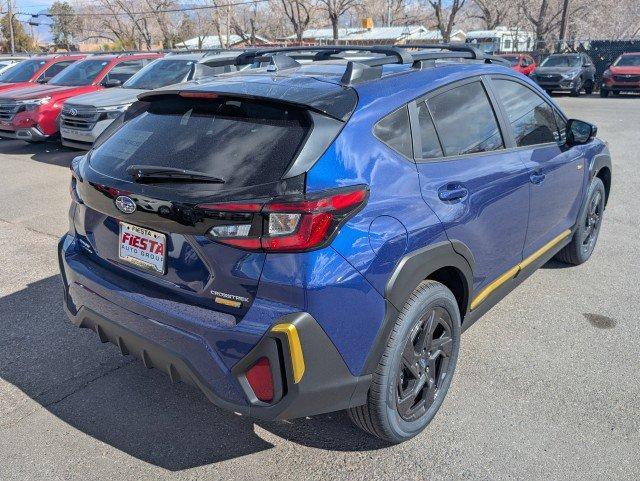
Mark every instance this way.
x=42 y=80
x=580 y=132
x=111 y=83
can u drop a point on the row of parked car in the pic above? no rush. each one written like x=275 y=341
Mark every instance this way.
x=576 y=73
x=74 y=94
x=65 y=94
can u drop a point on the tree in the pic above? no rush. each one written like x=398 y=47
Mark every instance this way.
x=23 y=42
x=299 y=13
x=493 y=13
x=65 y=24
x=335 y=9
x=445 y=13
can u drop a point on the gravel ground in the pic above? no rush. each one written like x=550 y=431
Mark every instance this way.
x=547 y=385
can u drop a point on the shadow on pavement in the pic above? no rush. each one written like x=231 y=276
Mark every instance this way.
x=117 y=401
x=50 y=152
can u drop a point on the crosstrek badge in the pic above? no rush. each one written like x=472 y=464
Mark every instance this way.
x=142 y=247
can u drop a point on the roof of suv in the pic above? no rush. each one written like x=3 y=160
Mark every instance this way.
x=320 y=85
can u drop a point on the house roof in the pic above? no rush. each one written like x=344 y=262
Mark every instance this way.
x=351 y=34
x=213 y=41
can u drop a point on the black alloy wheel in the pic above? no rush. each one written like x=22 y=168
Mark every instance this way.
x=425 y=363
x=592 y=221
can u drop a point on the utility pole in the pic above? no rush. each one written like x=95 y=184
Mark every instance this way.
x=10 y=13
x=389 y=13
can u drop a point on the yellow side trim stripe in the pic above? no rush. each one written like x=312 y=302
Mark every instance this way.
x=514 y=271
x=295 y=349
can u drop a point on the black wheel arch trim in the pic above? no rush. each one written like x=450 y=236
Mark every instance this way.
x=409 y=272
x=600 y=161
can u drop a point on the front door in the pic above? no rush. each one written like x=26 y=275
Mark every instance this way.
x=556 y=173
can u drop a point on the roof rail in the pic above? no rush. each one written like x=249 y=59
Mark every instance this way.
x=325 y=52
x=449 y=51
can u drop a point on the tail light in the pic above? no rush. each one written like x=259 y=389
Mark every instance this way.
x=260 y=379
x=286 y=225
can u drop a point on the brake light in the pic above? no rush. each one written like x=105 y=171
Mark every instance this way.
x=287 y=225
x=260 y=379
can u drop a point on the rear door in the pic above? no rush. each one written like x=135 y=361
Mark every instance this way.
x=556 y=172
x=478 y=189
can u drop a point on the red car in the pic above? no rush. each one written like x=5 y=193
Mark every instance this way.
x=31 y=113
x=520 y=62
x=36 y=70
x=623 y=75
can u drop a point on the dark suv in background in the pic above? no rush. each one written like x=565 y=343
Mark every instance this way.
x=573 y=72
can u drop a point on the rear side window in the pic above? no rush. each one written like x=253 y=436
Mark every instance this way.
x=244 y=142
x=430 y=144
x=465 y=120
x=532 y=119
x=395 y=131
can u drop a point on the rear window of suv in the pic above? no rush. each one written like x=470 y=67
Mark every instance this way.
x=244 y=142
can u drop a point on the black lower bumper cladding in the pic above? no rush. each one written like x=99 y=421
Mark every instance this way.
x=326 y=386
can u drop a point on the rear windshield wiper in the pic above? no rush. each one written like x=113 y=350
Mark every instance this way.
x=151 y=173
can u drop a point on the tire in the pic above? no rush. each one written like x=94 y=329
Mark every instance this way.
x=604 y=93
x=616 y=92
x=588 y=87
x=384 y=416
x=585 y=237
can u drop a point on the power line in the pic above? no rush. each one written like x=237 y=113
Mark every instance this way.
x=148 y=12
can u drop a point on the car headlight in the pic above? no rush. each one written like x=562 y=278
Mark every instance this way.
x=112 y=111
x=32 y=104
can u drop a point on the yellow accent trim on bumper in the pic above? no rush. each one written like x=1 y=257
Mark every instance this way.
x=295 y=349
x=514 y=271
x=228 y=302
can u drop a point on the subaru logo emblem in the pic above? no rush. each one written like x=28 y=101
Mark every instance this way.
x=125 y=204
x=73 y=112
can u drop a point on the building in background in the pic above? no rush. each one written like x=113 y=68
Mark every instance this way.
x=213 y=41
x=502 y=40
x=369 y=35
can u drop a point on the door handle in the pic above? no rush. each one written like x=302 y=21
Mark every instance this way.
x=452 y=192
x=537 y=178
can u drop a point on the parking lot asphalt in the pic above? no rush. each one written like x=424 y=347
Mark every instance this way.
x=547 y=385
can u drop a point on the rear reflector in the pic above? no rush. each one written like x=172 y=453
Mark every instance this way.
x=260 y=379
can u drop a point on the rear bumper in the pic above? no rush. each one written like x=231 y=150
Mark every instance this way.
x=326 y=385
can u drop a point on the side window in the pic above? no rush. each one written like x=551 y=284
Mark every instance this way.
x=532 y=119
x=53 y=70
x=394 y=130
x=465 y=120
x=431 y=148
x=124 y=70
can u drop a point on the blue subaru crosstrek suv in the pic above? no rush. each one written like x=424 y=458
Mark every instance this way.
x=314 y=235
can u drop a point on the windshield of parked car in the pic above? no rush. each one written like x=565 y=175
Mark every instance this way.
x=628 y=61
x=23 y=72
x=512 y=59
x=561 y=61
x=160 y=73
x=80 y=73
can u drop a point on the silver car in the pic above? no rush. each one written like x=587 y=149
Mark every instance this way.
x=85 y=117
